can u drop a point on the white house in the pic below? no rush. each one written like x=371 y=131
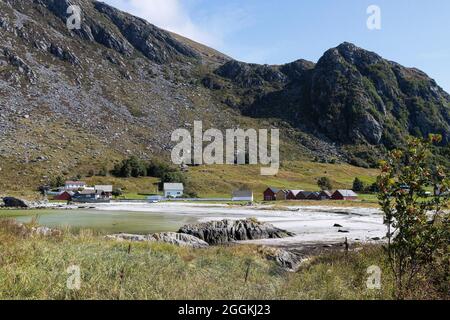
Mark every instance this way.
x=173 y=190
x=242 y=195
x=105 y=188
x=74 y=185
x=104 y=191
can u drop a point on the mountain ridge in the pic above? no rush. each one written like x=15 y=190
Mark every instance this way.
x=119 y=86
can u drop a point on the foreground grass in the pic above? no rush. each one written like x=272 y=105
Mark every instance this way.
x=35 y=268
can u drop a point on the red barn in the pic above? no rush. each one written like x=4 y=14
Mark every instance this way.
x=344 y=195
x=64 y=196
x=271 y=194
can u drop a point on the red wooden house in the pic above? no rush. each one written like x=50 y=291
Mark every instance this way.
x=64 y=196
x=344 y=195
x=271 y=194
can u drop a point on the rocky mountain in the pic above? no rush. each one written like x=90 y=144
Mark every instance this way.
x=75 y=100
x=350 y=96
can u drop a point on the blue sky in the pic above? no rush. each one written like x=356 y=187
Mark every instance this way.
x=415 y=33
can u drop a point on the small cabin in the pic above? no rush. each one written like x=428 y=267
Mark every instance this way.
x=270 y=194
x=303 y=195
x=314 y=196
x=325 y=195
x=282 y=195
x=64 y=196
x=173 y=190
x=344 y=195
x=292 y=194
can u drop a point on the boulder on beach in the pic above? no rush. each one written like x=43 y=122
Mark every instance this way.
x=225 y=231
x=11 y=202
x=181 y=240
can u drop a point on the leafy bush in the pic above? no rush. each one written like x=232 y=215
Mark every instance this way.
x=132 y=167
x=158 y=169
x=324 y=183
x=358 y=185
x=418 y=227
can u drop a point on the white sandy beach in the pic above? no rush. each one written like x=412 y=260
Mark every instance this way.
x=311 y=224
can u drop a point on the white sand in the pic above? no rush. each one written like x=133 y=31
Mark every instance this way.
x=310 y=224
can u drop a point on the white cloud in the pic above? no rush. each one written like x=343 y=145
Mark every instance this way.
x=167 y=14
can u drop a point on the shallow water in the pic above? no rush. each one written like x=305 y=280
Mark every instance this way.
x=104 y=221
x=310 y=224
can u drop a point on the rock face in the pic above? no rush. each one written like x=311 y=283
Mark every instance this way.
x=11 y=202
x=351 y=96
x=181 y=240
x=226 y=231
x=285 y=259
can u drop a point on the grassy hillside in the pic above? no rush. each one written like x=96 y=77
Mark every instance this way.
x=300 y=175
x=35 y=268
x=215 y=181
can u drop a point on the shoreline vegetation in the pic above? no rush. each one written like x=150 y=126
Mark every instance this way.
x=35 y=267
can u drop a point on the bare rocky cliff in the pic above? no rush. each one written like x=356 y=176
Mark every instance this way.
x=76 y=100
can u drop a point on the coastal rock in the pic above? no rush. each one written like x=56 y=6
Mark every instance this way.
x=225 y=231
x=181 y=240
x=11 y=202
x=127 y=237
x=45 y=231
x=285 y=259
x=26 y=230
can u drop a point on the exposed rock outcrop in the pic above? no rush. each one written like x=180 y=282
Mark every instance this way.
x=285 y=259
x=11 y=202
x=225 y=231
x=181 y=240
x=156 y=44
x=20 y=64
x=250 y=75
x=64 y=54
